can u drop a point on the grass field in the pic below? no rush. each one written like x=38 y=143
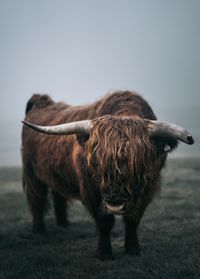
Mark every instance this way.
x=169 y=234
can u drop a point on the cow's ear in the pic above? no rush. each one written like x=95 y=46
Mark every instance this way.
x=81 y=139
x=164 y=145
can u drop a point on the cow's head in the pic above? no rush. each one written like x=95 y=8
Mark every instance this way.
x=124 y=154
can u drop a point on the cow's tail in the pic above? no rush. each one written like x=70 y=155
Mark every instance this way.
x=38 y=100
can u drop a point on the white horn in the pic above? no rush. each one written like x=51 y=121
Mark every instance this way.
x=78 y=127
x=165 y=129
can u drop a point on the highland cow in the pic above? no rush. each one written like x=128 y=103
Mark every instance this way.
x=108 y=154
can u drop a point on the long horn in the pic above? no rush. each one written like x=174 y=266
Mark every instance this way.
x=165 y=129
x=78 y=127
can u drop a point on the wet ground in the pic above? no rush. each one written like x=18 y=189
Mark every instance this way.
x=169 y=234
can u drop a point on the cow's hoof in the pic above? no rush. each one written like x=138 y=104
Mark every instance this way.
x=133 y=251
x=39 y=228
x=63 y=224
x=104 y=256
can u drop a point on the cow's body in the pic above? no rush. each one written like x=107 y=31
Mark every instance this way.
x=128 y=168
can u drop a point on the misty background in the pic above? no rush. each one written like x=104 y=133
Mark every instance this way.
x=77 y=51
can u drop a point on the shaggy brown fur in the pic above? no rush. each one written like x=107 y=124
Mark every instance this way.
x=130 y=158
x=116 y=165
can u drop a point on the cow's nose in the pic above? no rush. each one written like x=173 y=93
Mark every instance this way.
x=115 y=199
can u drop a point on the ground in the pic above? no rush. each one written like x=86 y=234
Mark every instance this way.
x=169 y=234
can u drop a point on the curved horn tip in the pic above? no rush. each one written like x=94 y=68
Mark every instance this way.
x=190 y=139
x=161 y=128
x=24 y=122
x=27 y=123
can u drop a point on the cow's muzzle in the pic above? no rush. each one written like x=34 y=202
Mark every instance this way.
x=115 y=209
x=115 y=203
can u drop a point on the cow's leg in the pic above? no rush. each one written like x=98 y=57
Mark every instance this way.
x=60 y=208
x=131 y=244
x=104 y=225
x=36 y=193
x=131 y=224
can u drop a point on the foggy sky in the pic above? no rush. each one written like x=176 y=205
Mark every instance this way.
x=76 y=51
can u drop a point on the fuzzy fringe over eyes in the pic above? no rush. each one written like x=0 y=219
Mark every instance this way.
x=119 y=151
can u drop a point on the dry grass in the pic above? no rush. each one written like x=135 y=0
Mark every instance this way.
x=169 y=235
